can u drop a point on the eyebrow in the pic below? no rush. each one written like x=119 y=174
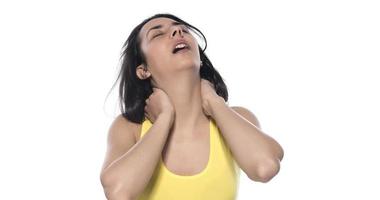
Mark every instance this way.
x=160 y=26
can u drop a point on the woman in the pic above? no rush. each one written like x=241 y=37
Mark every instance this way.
x=176 y=137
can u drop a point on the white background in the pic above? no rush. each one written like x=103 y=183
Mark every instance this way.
x=307 y=69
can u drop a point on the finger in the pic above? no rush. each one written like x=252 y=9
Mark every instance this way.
x=205 y=81
x=211 y=84
x=148 y=116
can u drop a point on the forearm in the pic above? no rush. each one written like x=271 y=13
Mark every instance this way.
x=251 y=148
x=131 y=173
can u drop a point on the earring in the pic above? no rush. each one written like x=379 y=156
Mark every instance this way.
x=201 y=63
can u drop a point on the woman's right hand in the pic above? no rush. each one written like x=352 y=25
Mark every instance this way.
x=158 y=103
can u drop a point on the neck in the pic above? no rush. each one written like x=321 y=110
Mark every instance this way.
x=184 y=92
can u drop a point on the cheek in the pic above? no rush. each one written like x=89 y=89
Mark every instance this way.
x=156 y=50
x=158 y=54
x=195 y=47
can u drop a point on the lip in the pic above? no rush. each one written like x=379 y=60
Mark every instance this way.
x=179 y=41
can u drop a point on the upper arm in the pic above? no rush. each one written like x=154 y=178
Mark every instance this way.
x=120 y=138
x=244 y=112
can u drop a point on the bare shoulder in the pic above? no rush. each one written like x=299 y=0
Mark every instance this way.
x=247 y=114
x=123 y=125
x=121 y=137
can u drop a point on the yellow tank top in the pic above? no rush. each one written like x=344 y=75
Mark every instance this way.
x=218 y=181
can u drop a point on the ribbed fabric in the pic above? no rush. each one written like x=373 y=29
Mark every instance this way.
x=218 y=181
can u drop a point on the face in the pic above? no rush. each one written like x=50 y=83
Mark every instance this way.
x=158 y=44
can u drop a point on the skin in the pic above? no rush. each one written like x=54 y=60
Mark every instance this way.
x=177 y=75
x=177 y=91
x=180 y=108
x=180 y=91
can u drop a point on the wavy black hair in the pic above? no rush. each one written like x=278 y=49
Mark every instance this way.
x=133 y=91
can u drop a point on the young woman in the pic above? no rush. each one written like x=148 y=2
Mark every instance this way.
x=177 y=138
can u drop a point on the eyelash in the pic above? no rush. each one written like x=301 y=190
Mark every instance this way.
x=184 y=30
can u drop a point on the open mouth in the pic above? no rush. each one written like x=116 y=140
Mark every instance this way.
x=180 y=48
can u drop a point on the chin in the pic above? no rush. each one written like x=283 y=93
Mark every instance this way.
x=185 y=63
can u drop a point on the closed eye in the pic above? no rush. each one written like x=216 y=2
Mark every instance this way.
x=157 y=35
x=184 y=30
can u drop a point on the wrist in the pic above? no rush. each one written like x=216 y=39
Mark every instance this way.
x=215 y=104
x=169 y=115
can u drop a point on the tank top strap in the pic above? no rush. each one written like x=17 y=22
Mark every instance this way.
x=220 y=151
x=146 y=124
x=220 y=180
x=223 y=153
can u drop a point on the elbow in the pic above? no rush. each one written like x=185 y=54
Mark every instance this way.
x=118 y=196
x=113 y=189
x=265 y=171
x=280 y=153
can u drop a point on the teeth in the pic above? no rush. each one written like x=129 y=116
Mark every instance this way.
x=180 y=45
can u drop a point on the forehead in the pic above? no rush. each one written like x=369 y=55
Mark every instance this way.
x=156 y=21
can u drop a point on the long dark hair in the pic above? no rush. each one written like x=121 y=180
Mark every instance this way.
x=133 y=91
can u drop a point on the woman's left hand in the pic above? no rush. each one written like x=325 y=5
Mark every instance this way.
x=208 y=95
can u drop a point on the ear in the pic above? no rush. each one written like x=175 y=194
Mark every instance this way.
x=142 y=72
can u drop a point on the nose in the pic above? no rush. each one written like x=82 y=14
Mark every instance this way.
x=177 y=30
